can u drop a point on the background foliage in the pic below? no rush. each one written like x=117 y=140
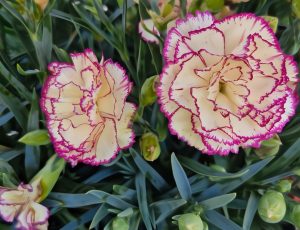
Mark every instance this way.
x=130 y=190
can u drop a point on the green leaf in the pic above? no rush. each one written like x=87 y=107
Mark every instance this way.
x=220 y=221
x=221 y=188
x=207 y=171
x=290 y=38
x=217 y=202
x=112 y=200
x=165 y=208
x=156 y=180
x=49 y=175
x=140 y=184
x=32 y=153
x=101 y=213
x=36 y=138
x=284 y=161
x=250 y=211
x=27 y=72
x=181 y=179
x=69 y=200
x=15 y=106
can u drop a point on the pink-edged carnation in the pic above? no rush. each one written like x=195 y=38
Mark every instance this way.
x=226 y=83
x=20 y=205
x=85 y=105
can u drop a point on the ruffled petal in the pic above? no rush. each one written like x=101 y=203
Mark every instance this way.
x=147 y=30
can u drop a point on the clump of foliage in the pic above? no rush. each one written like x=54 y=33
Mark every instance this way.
x=250 y=190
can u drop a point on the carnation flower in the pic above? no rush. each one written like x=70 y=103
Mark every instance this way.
x=20 y=204
x=87 y=115
x=226 y=83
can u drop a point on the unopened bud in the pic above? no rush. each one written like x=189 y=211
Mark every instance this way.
x=42 y=4
x=284 y=186
x=148 y=92
x=190 y=221
x=120 y=223
x=295 y=215
x=149 y=145
x=272 y=207
x=269 y=147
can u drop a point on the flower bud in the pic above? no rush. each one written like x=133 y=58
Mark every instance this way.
x=42 y=4
x=295 y=215
x=268 y=147
x=149 y=146
x=148 y=92
x=120 y=223
x=190 y=221
x=272 y=207
x=296 y=7
x=273 y=22
x=284 y=186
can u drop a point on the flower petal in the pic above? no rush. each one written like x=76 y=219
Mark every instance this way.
x=147 y=30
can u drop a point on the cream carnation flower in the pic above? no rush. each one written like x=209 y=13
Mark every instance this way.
x=226 y=83
x=21 y=205
x=87 y=115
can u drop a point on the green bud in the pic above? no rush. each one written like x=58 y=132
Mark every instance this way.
x=148 y=92
x=214 y=5
x=190 y=221
x=269 y=147
x=272 y=207
x=273 y=22
x=295 y=215
x=205 y=226
x=296 y=171
x=149 y=145
x=296 y=7
x=120 y=224
x=284 y=186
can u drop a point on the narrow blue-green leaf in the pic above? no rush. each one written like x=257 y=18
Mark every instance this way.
x=15 y=106
x=218 y=201
x=10 y=154
x=165 y=208
x=32 y=153
x=140 y=184
x=101 y=213
x=153 y=176
x=181 y=179
x=275 y=178
x=207 y=171
x=6 y=118
x=125 y=192
x=100 y=175
x=250 y=211
x=69 y=200
x=36 y=138
x=221 y=221
x=81 y=220
x=12 y=79
x=221 y=188
x=112 y=200
x=285 y=160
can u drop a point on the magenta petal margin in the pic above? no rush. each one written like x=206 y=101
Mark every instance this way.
x=86 y=111
x=226 y=83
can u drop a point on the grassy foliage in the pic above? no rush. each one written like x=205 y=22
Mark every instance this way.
x=145 y=194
